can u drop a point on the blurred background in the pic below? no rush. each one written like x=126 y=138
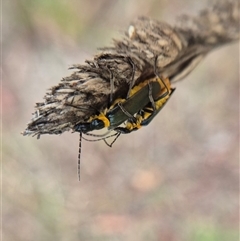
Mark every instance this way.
x=174 y=180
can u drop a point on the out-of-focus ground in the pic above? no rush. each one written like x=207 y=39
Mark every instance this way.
x=174 y=180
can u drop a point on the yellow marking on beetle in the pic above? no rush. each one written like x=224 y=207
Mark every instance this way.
x=101 y=116
x=137 y=125
x=148 y=111
x=104 y=119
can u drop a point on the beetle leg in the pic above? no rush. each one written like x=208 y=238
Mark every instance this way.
x=133 y=74
x=116 y=137
x=164 y=84
x=150 y=96
x=126 y=112
x=159 y=105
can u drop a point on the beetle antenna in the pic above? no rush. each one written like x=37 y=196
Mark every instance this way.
x=79 y=154
x=111 y=85
x=132 y=79
x=101 y=138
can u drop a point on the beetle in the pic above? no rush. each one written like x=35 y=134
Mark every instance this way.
x=144 y=103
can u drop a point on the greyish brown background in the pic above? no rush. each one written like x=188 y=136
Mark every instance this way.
x=176 y=179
